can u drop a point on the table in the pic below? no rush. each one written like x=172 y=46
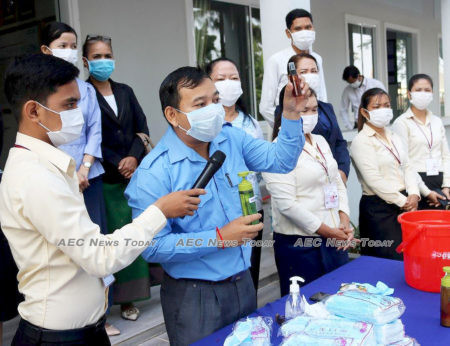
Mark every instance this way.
x=421 y=318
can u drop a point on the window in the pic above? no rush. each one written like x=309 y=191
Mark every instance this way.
x=233 y=31
x=361 y=40
x=441 y=79
x=400 y=68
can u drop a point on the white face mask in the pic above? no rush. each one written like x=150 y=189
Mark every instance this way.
x=72 y=124
x=356 y=84
x=421 y=99
x=303 y=39
x=229 y=91
x=380 y=117
x=69 y=55
x=309 y=122
x=313 y=81
x=206 y=122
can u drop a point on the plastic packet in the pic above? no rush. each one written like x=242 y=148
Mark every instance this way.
x=381 y=288
x=333 y=328
x=303 y=339
x=366 y=307
x=390 y=333
x=406 y=341
x=251 y=331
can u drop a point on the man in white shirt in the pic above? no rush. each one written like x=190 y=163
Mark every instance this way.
x=300 y=30
x=65 y=263
x=351 y=96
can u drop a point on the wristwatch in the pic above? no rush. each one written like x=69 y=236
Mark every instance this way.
x=87 y=164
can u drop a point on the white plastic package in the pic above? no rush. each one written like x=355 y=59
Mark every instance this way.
x=367 y=307
x=251 y=331
x=330 y=330
x=406 y=341
x=390 y=333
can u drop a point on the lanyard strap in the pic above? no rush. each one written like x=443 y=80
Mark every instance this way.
x=430 y=143
x=20 y=146
x=391 y=151
x=324 y=165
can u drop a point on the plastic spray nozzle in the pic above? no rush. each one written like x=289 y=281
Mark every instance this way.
x=292 y=69
x=243 y=174
x=294 y=287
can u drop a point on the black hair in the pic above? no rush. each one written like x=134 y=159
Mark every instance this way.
x=350 y=71
x=365 y=100
x=240 y=103
x=183 y=77
x=35 y=77
x=297 y=57
x=279 y=111
x=297 y=13
x=416 y=77
x=52 y=31
x=90 y=39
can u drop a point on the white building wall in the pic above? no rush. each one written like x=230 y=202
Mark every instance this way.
x=331 y=42
x=149 y=41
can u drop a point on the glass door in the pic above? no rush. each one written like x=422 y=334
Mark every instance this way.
x=233 y=31
x=400 y=68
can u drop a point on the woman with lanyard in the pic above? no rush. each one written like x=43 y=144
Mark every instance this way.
x=60 y=40
x=225 y=75
x=381 y=163
x=123 y=121
x=310 y=209
x=424 y=136
x=327 y=126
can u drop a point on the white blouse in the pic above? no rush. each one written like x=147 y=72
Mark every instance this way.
x=383 y=168
x=418 y=138
x=298 y=199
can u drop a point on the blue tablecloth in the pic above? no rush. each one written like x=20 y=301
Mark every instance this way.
x=421 y=318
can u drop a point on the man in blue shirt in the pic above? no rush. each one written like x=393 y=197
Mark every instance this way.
x=207 y=284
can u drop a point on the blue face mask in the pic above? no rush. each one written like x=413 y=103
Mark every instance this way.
x=206 y=122
x=101 y=69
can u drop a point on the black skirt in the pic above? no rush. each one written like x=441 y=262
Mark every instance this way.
x=10 y=296
x=433 y=182
x=378 y=222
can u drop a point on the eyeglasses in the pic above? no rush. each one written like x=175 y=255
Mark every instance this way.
x=98 y=38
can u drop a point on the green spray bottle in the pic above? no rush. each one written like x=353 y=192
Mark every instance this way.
x=247 y=196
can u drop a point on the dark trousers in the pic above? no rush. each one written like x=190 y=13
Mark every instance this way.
x=309 y=262
x=194 y=309
x=378 y=221
x=433 y=182
x=28 y=334
x=95 y=203
x=255 y=258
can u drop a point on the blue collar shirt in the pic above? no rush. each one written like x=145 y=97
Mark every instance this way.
x=187 y=247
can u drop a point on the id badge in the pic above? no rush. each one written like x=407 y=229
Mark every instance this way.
x=331 y=196
x=433 y=166
x=108 y=280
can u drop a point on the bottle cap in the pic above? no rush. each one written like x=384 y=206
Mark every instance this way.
x=294 y=287
x=243 y=174
x=292 y=68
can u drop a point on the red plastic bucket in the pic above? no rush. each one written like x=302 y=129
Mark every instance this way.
x=426 y=247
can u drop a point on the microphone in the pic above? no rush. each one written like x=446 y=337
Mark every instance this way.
x=212 y=166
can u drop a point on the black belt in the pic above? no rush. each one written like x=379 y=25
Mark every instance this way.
x=232 y=278
x=50 y=335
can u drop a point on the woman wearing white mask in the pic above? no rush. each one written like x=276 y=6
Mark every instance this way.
x=389 y=183
x=327 y=125
x=225 y=75
x=60 y=40
x=309 y=208
x=424 y=136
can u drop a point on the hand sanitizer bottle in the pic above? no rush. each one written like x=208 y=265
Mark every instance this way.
x=294 y=304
